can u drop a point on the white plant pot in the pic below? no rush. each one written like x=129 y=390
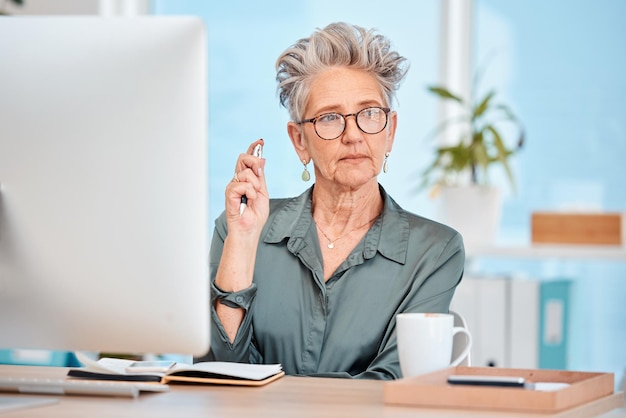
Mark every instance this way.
x=474 y=211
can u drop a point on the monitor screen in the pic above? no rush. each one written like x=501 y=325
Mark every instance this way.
x=104 y=184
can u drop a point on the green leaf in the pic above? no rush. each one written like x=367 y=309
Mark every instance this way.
x=483 y=105
x=444 y=93
x=503 y=153
x=479 y=152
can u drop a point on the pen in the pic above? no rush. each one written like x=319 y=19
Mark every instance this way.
x=258 y=152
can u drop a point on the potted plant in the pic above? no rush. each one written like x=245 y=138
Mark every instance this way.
x=459 y=173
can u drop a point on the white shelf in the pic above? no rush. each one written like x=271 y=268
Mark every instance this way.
x=545 y=251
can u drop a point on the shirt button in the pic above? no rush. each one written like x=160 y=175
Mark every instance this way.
x=239 y=299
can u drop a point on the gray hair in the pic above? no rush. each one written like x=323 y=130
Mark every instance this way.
x=338 y=44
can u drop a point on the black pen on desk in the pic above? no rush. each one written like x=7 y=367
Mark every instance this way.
x=258 y=152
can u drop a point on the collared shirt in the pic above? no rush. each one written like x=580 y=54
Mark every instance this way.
x=344 y=327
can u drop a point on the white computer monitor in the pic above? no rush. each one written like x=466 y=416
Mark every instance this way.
x=104 y=184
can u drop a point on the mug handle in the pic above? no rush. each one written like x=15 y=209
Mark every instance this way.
x=468 y=344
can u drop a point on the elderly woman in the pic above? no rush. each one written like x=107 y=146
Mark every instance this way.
x=314 y=282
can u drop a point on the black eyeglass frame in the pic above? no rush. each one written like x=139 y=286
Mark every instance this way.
x=313 y=120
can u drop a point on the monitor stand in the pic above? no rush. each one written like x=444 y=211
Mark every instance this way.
x=14 y=402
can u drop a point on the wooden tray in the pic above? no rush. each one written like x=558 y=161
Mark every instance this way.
x=578 y=228
x=433 y=390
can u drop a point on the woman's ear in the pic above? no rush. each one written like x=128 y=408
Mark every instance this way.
x=296 y=134
x=391 y=133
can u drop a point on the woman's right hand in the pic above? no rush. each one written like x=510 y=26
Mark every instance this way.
x=248 y=180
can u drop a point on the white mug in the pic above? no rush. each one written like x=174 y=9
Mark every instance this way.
x=425 y=342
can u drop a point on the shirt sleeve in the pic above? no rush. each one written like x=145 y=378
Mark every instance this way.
x=222 y=349
x=241 y=299
x=241 y=349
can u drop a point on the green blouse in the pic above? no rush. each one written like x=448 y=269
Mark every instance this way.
x=344 y=327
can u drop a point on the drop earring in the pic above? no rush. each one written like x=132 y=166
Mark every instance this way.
x=306 y=176
x=385 y=163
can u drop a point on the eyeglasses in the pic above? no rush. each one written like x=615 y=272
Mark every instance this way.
x=370 y=120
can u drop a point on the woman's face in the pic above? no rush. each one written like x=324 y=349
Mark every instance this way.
x=354 y=158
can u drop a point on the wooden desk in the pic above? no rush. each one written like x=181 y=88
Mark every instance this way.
x=290 y=396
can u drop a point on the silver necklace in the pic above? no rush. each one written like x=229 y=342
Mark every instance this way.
x=331 y=242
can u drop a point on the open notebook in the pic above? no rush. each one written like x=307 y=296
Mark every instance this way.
x=212 y=372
